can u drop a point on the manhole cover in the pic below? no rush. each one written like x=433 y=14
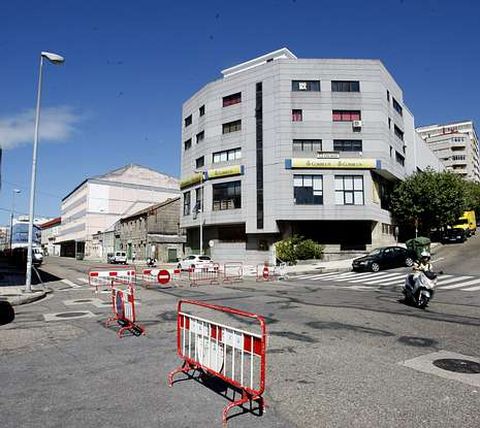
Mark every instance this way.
x=70 y=314
x=457 y=365
x=83 y=301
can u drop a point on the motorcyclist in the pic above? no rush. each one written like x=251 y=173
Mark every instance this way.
x=421 y=265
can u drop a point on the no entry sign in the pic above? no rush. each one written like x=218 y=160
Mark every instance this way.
x=163 y=276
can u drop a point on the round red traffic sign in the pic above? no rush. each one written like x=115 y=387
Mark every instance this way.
x=265 y=272
x=163 y=276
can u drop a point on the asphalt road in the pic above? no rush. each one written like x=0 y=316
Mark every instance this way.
x=336 y=353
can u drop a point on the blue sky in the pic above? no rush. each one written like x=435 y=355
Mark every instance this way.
x=131 y=64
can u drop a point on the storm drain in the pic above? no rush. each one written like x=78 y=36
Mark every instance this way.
x=62 y=316
x=448 y=365
x=458 y=366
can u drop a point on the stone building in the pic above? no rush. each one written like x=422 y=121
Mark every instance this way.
x=153 y=232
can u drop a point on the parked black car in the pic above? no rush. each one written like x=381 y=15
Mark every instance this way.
x=454 y=235
x=384 y=258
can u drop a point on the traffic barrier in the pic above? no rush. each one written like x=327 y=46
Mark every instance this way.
x=161 y=276
x=123 y=307
x=101 y=278
x=233 y=272
x=264 y=273
x=204 y=274
x=237 y=357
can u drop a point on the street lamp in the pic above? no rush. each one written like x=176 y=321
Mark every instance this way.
x=14 y=192
x=54 y=59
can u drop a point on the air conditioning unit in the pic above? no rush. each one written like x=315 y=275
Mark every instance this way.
x=357 y=124
x=302 y=86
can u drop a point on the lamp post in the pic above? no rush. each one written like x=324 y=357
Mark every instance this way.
x=12 y=214
x=54 y=59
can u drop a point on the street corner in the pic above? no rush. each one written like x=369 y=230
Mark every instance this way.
x=17 y=296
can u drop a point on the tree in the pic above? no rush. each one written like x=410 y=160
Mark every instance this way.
x=429 y=199
x=472 y=190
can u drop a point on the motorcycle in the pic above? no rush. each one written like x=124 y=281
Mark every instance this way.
x=419 y=288
x=151 y=262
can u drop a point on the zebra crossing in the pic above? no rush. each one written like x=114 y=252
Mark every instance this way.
x=389 y=278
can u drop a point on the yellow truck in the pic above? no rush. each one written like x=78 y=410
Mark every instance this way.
x=467 y=222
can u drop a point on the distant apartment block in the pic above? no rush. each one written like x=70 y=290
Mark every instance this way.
x=456 y=145
x=282 y=145
x=97 y=203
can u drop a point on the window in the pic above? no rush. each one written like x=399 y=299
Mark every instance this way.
x=227 y=155
x=201 y=111
x=188 y=120
x=232 y=126
x=200 y=162
x=349 y=190
x=200 y=137
x=389 y=123
x=345 y=86
x=397 y=107
x=399 y=158
x=398 y=132
x=306 y=85
x=297 y=116
x=188 y=144
x=307 y=145
x=198 y=200
x=345 y=115
x=186 y=203
x=388 y=95
x=458 y=157
x=226 y=196
x=232 y=99
x=308 y=189
x=347 y=145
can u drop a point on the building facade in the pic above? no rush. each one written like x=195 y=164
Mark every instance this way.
x=99 y=202
x=49 y=234
x=153 y=232
x=281 y=145
x=456 y=145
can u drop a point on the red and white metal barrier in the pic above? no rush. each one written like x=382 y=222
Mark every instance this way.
x=236 y=356
x=233 y=272
x=209 y=274
x=161 y=276
x=264 y=273
x=107 y=278
x=123 y=307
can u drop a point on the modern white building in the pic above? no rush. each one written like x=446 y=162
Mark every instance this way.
x=282 y=145
x=97 y=203
x=456 y=145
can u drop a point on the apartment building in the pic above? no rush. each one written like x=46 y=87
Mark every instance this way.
x=456 y=145
x=281 y=145
x=97 y=203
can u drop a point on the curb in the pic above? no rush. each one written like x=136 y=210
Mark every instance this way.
x=318 y=271
x=23 y=299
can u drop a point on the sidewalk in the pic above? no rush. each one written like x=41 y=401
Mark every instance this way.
x=12 y=284
x=320 y=267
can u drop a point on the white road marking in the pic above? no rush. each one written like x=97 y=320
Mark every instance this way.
x=374 y=277
x=454 y=279
x=471 y=289
x=463 y=284
x=392 y=277
x=70 y=283
x=85 y=281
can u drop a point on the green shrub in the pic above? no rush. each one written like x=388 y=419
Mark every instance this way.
x=297 y=248
x=309 y=249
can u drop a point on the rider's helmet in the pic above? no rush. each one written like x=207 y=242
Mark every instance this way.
x=425 y=255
